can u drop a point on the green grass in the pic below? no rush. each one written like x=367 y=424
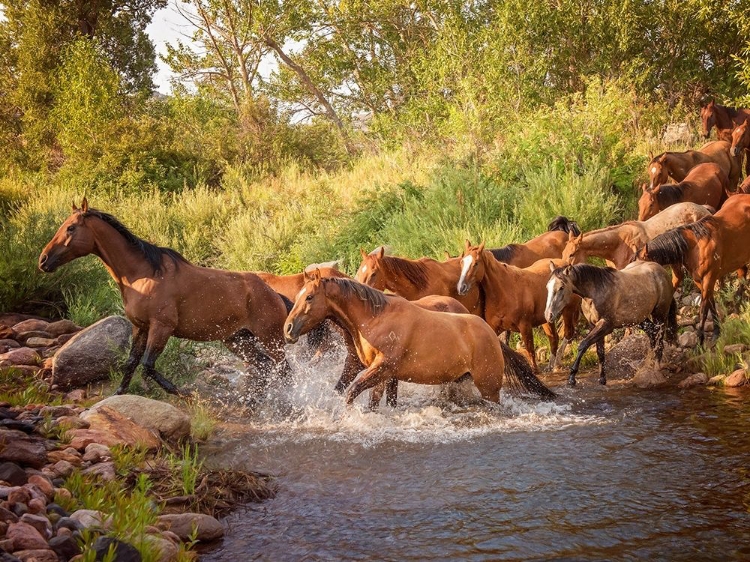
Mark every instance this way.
x=19 y=389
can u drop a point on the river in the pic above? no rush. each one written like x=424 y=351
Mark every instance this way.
x=604 y=473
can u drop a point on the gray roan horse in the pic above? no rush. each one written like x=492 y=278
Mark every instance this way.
x=639 y=295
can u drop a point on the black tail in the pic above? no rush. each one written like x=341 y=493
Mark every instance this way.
x=564 y=224
x=287 y=303
x=521 y=378
x=672 y=323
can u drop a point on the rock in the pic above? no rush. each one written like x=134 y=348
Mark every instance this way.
x=12 y=344
x=58 y=411
x=23 y=337
x=63 y=469
x=734 y=348
x=123 y=552
x=77 y=395
x=103 y=470
x=36 y=555
x=44 y=484
x=13 y=474
x=63 y=493
x=677 y=133
x=168 y=551
x=73 y=422
x=20 y=509
x=716 y=380
x=19 y=495
x=54 y=508
x=96 y=452
x=7 y=516
x=623 y=359
x=649 y=378
x=39 y=522
x=69 y=455
x=62 y=327
x=20 y=356
x=688 y=340
x=6 y=545
x=182 y=524
x=89 y=518
x=25 y=537
x=737 y=378
x=71 y=524
x=19 y=448
x=37 y=506
x=696 y=379
x=66 y=547
x=39 y=342
x=687 y=321
x=120 y=429
x=19 y=424
x=159 y=416
x=691 y=300
x=709 y=327
x=92 y=353
x=31 y=325
x=7 y=333
x=62 y=340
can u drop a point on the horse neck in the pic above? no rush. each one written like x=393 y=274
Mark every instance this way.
x=496 y=278
x=397 y=282
x=678 y=166
x=123 y=262
x=723 y=118
x=603 y=243
x=586 y=288
x=352 y=313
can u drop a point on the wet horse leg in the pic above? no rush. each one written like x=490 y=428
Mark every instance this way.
x=158 y=335
x=390 y=389
x=527 y=336
x=600 y=329
x=554 y=339
x=375 y=374
x=248 y=348
x=570 y=318
x=600 y=356
x=707 y=303
x=137 y=348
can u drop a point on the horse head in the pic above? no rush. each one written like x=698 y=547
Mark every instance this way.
x=571 y=251
x=72 y=240
x=472 y=267
x=369 y=272
x=657 y=171
x=740 y=139
x=708 y=118
x=310 y=307
x=648 y=205
x=559 y=291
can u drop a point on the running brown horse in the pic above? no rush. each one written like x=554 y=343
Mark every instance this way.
x=515 y=299
x=709 y=249
x=164 y=295
x=291 y=285
x=639 y=295
x=706 y=184
x=725 y=119
x=415 y=279
x=677 y=165
x=389 y=332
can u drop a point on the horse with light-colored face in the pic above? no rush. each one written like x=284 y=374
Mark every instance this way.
x=677 y=165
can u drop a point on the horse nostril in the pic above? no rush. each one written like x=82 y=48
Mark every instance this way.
x=43 y=259
x=288 y=328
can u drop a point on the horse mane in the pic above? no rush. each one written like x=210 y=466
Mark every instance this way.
x=151 y=252
x=374 y=299
x=584 y=272
x=732 y=111
x=671 y=247
x=506 y=253
x=668 y=194
x=565 y=224
x=414 y=271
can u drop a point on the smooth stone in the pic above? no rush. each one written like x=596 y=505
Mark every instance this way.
x=37 y=555
x=39 y=522
x=20 y=356
x=168 y=551
x=123 y=551
x=13 y=474
x=737 y=378
x=90 y=518
x=25 y=537
x=103 y=470
x=66 y=547
x=696 y=379
x=31 y=325
x=688 y=339
x=168 y=421
x=62 y=327
x=207 y=528
x=734 y=348
x=44 y=484
x=96 y=452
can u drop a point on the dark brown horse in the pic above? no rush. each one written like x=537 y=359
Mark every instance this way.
x=164 y=295
x=740 y=139
x=709 y=249
x=398 y=340
x=725 y=119
x=677 y=165
x=706 y=184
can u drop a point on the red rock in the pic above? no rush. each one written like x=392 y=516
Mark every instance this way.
x=37 y=506
x=25 y=537
x=77 y=395
x=7 y=333
x=44 y=485
x=62 y=327
x=20 y=356
x=103 y=470
x=73 y=422
x=206 y=528
x=25 y=370
x=63 y=493
x=17 y=447
x=10 y=344
x=63 y=469
x=39 y=522
x=65 y=338
x=6 y=545
x=96 y=452
x=37 y=343
x=36 y=555
x=121 y=429
x=7 y=516
x=23 y=337
x=19 y=495
x=737 y=378
x=31 y=325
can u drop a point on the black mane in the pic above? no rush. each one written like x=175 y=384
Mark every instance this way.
x=506 y=253
x=584 y=272
x=151 y=252
x=376 y=300
x=671 y=247
x=669 y=194
x=564 y=224
x=414 y=271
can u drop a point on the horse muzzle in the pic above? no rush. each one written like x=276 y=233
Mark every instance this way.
x=462 y=288
x=734 y=151
x=291 y=332
x=47 y=264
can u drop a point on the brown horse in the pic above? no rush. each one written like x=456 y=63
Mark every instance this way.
x=639 y=295
x=706 y=184
x=677 y=165
x=709 y=249
x=515 y=298
x=547 y=245
x=164 y=295
x=745 y=187
x=740 y=139
x=389 y=332
x=725 y=119
x=291 y=285
x=619 y=244
x=415 y=279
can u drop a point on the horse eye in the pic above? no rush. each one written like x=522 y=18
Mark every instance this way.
x=71 y=228
x=309 y=298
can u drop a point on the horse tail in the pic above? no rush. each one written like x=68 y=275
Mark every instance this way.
x=564 y=224
x=668 y=248
x=672 y=322
x=520 y=377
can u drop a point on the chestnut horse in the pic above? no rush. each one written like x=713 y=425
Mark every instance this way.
x=414 y=279
x=677 y=165
x=706 y=184
x=291 y=285
x=515 y=299
x=639 y=295
x=725 y=119
x=740 y=139
x=547 y=245
x=164 y=295
x=619 y=244
x=709 y=249
x=390 y=331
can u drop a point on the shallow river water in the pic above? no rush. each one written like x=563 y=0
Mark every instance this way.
x=613 y=473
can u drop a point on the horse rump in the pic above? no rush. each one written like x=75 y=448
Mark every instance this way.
x=521 y=378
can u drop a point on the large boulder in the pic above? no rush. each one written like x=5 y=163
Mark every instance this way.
x=109 y=427
x=161 y=417
x=625 y=357
x=92 y=353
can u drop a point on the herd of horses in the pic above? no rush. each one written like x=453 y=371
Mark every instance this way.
x=444 y=321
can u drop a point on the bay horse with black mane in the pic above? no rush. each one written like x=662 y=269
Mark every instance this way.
x=165 y=295
x=396 y=339
x=706 y=184
x=725 y=119
x=709 y=249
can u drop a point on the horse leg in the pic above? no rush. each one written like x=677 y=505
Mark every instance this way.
x=247 y=347
x=137 y=348
x=391 y=393
x=390 y=388
x=707 y=295
x=554 y=339
x=715 y=318
x=570 y=319
x=600 y=329
x=273 y=344
x=158 y=335
x=376 y=394
x=376 y=373
x=527 y=336
x=600 y=356
x=677 y=275
x=352 y=365
x=741 y=278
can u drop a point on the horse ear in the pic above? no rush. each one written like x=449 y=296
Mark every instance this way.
x=551 y=266
x=447 y=254
x=363 y=253
x=650 y=155
x=381 y=253
x=571 y=236
x=481 y=247
x=85 y=205
x=644 y=187
x=467 y=245
x=316 y=275
x=75 y=207
x=307 y=275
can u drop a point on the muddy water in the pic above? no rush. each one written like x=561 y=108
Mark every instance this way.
x=603 y=474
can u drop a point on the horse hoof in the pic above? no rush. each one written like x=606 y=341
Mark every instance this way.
x=602 y=381
x=120 y=390
x=571 y=382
